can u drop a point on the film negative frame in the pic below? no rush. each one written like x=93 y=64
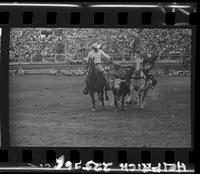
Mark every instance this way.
x=82 y=15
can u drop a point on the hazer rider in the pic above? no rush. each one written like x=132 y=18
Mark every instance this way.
x=147 y=71
x=96 y=54
x=138 y=60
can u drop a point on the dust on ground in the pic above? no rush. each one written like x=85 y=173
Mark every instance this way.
x=52 y=111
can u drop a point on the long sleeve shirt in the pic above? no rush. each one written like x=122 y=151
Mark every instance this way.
x=97 y=56
x=138 y=62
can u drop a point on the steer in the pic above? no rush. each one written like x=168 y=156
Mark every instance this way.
x=121 y=88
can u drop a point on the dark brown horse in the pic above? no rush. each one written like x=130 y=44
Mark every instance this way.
x=96 y=82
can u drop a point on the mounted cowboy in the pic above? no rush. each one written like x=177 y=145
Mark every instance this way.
x=148 y=64
x=95 y=54
x=138 y=61
x=140 y=84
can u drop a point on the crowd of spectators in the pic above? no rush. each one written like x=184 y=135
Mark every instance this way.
x=119 y=43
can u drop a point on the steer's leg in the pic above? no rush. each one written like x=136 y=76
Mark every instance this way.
x=115 y=100
x=93 y=100
x=116 y=103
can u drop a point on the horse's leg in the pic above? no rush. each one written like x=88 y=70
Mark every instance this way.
x=93 y=100
x=106 y=94
x=146 y=90
x=99 y=95
x=102 y=97
x=134 y=99
x=128 y=100
x=145 y=94
x=115 y=100
x=130 y=95
x=140 y=99
x=123 y=97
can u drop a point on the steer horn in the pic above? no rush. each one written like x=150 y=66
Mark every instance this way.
x=123 y=80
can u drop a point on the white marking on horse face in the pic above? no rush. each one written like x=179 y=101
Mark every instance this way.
x=117 y=83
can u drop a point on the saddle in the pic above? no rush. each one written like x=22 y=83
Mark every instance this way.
x=138 y=75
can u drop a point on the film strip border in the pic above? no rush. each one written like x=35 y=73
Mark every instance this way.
x=121 y=158
x=84 y=15
x=98 y=15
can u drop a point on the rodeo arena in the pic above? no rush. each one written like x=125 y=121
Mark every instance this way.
x=94 y=87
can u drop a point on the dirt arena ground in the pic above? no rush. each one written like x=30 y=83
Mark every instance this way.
x=52 y=111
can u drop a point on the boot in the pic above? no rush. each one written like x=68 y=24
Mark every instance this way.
x=108 y=86
x=85 y=91
x=154 y=81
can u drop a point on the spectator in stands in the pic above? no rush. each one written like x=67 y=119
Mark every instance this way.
x=20 y=71
x=29 y=40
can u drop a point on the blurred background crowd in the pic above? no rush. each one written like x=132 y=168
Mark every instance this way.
x=71 y=45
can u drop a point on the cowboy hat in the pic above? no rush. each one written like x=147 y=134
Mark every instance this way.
x=95 y=45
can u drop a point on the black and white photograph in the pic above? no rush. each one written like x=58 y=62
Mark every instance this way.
x=100 y=87
x=0 y=59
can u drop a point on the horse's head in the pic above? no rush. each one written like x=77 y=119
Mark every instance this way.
x=90 y=65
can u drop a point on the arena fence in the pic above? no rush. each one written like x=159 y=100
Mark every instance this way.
x=65 y=65
x=40 y=59
x=80 y=71
x=69 y=59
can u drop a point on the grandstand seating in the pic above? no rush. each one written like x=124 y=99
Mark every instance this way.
x=30 y=45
